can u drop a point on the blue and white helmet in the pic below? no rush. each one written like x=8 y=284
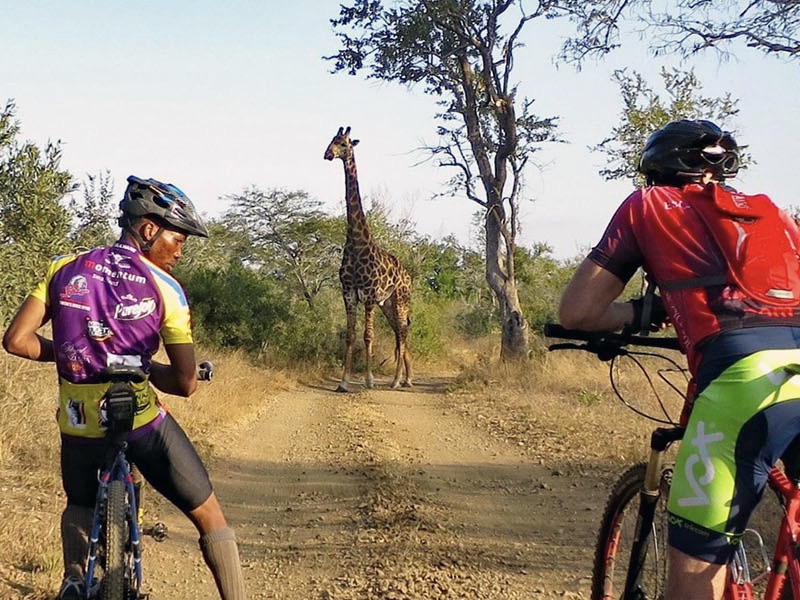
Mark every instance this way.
x=164 y=201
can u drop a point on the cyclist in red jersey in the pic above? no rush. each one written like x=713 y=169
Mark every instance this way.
x=746 y=412
x=115 y=305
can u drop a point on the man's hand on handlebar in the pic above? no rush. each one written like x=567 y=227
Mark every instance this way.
x=657 y=317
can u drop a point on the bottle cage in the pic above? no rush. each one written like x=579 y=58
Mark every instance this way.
x=120 y=407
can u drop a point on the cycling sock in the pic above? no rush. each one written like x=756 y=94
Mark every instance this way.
x=222 y=557
x=75 y=524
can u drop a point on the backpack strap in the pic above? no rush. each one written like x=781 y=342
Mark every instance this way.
x=647 y=307
x=694 y=282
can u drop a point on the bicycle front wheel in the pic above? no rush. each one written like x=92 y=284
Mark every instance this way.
x=615 y=544
x=117 y=576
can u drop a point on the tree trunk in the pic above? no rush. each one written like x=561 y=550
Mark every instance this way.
x=514 y=340
x=499 y=276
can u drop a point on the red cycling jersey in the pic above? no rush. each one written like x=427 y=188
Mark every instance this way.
x=656 y=229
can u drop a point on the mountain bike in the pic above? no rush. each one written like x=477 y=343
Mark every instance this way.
x=630 y=561
x=115 y=535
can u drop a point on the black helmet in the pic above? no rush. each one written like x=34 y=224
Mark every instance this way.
x=164 y=201
x=681 y=151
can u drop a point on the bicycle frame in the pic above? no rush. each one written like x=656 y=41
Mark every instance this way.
x=116 y=469
x=785 y=558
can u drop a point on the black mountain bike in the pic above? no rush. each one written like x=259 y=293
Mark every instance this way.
x=115 y=538
x=114 y=563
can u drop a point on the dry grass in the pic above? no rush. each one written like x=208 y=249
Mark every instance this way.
x=557 y=405
x=29 y=537
x=563 y=403
x=31 y=497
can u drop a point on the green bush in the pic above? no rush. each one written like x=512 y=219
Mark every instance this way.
x=476 y=322
x=309 y=333
x=234 y=307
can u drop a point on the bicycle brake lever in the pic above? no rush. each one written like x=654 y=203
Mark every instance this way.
x=606 y=350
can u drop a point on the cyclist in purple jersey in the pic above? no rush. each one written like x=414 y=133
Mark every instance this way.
x=114 y=306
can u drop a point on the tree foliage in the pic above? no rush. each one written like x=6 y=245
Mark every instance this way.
x=235 y=307
x=288 y=236
x=688 y=26
x=34 y=225
x=685 y=27
x=94 y=216
x=645 y=110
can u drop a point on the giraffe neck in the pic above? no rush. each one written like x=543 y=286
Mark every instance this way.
x=356 y=220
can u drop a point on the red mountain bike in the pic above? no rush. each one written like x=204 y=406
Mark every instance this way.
x=631 y=554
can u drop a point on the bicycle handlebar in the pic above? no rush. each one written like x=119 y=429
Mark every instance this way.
x=607 y=346
x=605 y=341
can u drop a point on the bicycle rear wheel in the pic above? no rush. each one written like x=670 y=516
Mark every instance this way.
x=616 y=539
x=116 y=583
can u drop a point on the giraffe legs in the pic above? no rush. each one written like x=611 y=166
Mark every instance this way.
x=344 y=384
x=369 y=334
x=397 y=315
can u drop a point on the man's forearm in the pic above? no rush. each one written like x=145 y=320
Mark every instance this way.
x=164 y=378
x=32 y=347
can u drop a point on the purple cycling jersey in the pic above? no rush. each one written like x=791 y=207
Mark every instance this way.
x=111 y=306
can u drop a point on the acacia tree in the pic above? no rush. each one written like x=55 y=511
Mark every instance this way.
x=692 y=25
x=286 y=234
x=644 y=111
x=688 y=26
x=462 y=52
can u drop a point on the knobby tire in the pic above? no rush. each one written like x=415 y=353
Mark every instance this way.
x=117 y=576
x=617 y=532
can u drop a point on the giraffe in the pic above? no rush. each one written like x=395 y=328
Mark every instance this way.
x=369 y=275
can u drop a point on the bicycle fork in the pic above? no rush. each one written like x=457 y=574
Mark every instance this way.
x=101 y=507
x=660 y=440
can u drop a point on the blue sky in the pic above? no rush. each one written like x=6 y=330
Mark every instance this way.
x=216 y=97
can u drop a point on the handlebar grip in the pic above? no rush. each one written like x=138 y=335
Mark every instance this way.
x=554 y=330
x=205 y=371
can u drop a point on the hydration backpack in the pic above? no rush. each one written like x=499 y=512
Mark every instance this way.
x=760 y=243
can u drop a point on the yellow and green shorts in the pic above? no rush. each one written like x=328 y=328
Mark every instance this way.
x=740 y=425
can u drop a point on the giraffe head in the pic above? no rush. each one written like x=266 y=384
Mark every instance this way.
x=340 y=145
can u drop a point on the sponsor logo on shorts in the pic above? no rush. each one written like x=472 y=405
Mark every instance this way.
x=699 y=481
x=688 y=525
x=76 y=415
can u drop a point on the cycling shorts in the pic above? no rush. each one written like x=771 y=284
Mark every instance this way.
x=164 y=455
x=739 y=427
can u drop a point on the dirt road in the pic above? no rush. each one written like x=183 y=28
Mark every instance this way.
x=389 y=495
